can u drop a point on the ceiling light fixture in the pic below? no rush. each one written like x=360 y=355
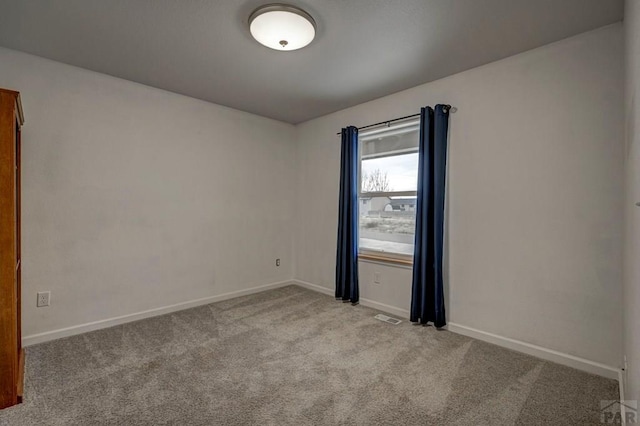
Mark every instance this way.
x=282 y=27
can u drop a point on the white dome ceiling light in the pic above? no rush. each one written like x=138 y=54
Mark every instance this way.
x=282 y=27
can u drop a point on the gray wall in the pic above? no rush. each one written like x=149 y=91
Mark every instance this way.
x=631 y=289
x=535 y=184
x=136 y=198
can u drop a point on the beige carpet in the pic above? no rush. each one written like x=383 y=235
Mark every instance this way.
x=294 y=357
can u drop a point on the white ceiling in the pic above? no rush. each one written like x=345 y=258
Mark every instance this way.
x=364 y=49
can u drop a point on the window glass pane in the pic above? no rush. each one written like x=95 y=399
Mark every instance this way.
x=389 y=163
x=387 y=224
x=386 y=174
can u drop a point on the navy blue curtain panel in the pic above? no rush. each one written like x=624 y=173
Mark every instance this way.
x=427 y=295
x=347 y=253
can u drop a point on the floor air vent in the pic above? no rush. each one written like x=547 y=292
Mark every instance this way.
x=390 y=320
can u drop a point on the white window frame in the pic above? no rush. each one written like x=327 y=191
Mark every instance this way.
x=381 y=255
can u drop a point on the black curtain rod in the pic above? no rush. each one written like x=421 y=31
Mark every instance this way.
x=387 y=122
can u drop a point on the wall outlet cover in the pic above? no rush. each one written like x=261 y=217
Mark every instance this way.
x=43 y=298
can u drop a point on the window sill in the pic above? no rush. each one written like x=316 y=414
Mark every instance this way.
x=386 y=260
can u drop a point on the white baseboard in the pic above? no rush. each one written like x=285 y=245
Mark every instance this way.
x=110 y=322
x=399 y=312
x=539 y=351
x=516 y=345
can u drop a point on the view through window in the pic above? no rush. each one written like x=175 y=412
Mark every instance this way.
x=388 y=187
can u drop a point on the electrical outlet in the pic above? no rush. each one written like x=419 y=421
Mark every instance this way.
x=376 y=277
x=43 y=298
x=277 y=262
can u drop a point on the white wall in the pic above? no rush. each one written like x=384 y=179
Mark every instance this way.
x=535 y=185
x=136 y=198
x=631 y=287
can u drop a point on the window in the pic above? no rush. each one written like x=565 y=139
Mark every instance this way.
x=388 y=189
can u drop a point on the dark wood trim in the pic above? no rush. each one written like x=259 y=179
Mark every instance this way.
x=385 y=259
x=20 y=380
x=11 y=353
x=18 y=101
